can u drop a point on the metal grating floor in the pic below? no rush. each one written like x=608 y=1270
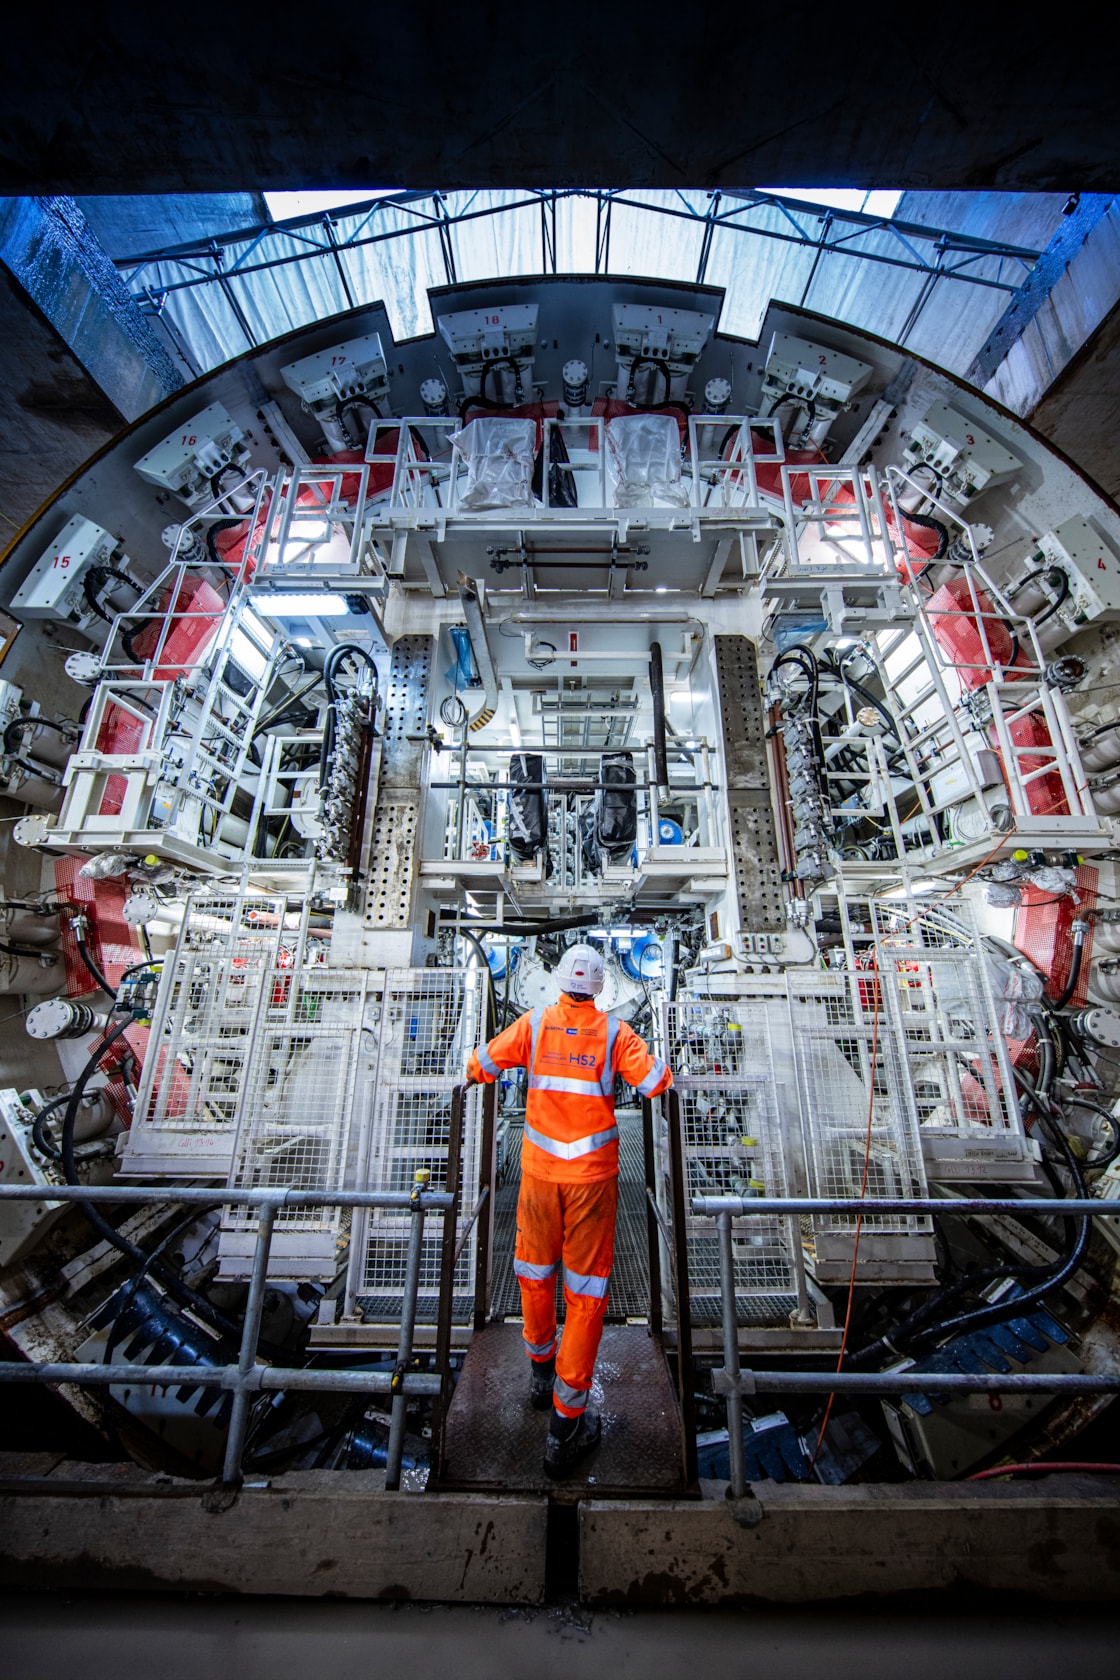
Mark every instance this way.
x=630 y=1277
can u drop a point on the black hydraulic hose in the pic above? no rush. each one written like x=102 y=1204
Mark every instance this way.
x=491 y=994
x=482 y=400
x=38 y=1128
x=487 y=406
x=128 y=633
x=928 y=523
x=216 y=478
x=1062 y=586
x=285 y=707
x=660 y=742
x=1074 y=969
x=865 y=695
x=916 y=1327
x=191 y=1217
x=491 y=368
x=335 y=658
x=83 y=952
x=13 y=734
x=662 y=367
x=806 y=403
x=94 y=582
x=1113 y=1150
x=211 y=534
x=806 y=661
x=981 y=1317
x=526 y=924
x=169 y=1279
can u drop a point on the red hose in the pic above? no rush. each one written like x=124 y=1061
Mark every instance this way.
x=1040 y=1467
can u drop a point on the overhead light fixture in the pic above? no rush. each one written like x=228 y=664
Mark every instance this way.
x=286 y=603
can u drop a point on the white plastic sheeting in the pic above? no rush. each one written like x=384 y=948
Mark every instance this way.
x=271 y=282
x=645 y=461
x=498 y=454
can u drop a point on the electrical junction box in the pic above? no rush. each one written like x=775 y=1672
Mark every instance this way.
x=967 y=458
x=1090 y=564
x=675 y=336
x=55 y=586
x=21 y=1223
x=796 y=367
x=190 y=457
x=356 y=368
x=952 y=783
x=477 y=336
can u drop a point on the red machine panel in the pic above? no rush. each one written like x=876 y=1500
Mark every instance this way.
x=112 y=943
x=188 y=635
x=1043 y=932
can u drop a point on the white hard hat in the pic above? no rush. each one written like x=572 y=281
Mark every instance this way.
x=580 y=969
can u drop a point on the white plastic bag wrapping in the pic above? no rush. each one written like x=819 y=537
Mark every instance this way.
x=499 y=454
x=645 y=461
x=1015 y=987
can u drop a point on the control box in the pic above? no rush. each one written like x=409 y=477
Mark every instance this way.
x=55 y=587
x=23 y=1223
x=355 y=368
x=795 y=367
x=190 y=458
x=967 y=458
x=1092 y=567
x=675 y=336
x=477 y=336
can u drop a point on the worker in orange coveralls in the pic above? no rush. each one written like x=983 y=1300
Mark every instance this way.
x=569 y=1185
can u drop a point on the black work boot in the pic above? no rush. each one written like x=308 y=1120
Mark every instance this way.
x=569 y=1441
x=542 y=1376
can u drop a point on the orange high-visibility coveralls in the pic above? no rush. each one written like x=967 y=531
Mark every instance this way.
x=569 y=1172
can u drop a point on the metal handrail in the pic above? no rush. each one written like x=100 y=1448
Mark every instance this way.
x=246 y=1378
x=733 y=1382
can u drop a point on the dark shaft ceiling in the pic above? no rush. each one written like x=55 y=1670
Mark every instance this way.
x=116 y=99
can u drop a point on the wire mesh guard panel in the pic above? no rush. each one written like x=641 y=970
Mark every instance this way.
x=853 y=1109
x=431 y=1019
x=731 y=1144
x=310 y=1063
x=194 y=1073
x=947 y=1051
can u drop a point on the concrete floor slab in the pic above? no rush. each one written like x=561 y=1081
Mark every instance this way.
x=123 y=1637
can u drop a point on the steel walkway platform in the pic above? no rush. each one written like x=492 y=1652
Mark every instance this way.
x=630 y=1273
x=494 y=1441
